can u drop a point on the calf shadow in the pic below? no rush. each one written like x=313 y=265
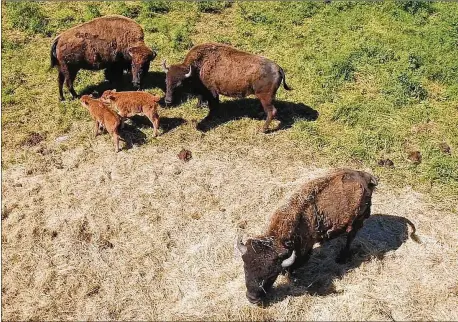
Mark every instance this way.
x=132 y=135
x=379 y=235
x=287 y=113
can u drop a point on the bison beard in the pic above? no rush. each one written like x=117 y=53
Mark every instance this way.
x=213 y=69
x=323 y=209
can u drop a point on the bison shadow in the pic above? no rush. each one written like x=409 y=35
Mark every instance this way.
x=124 y=84
x=379 y=235
x=287 y=113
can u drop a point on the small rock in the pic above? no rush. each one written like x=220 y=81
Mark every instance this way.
x=415 y=157
x=185 y=155
x=62 y=138
x=445 y=148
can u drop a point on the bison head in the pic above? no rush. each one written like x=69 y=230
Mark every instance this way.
x=141 y=57
x=176 y=74
x=263 y=261
x=85 y=99
x=108 y=96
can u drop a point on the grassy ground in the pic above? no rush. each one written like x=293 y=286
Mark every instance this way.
x=127 y=236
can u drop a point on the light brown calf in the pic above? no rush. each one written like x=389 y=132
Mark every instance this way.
x=131 y=103
x=103 y=116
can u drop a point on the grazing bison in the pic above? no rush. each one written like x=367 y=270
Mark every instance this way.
x=131 y=103
x=214 y=69
x=324 y=208
x=114 y=43
x=104 y=117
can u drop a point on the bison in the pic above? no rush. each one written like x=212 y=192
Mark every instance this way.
x=213 y=69
x=114 y=43
x=131 y=103
x=104 y=117
x=322 y=209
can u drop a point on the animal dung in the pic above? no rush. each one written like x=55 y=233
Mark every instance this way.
x=415 y=157
x=445 y=148
x=185 y=155
x=386 y=163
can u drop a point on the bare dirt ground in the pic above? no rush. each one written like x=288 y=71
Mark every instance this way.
x=142 y=235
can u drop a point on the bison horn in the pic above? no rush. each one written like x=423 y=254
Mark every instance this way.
x=242 y=248
x=289 y=261
x=189 y=73
x=164 y=66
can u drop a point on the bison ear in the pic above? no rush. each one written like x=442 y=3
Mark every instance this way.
x=288 y=244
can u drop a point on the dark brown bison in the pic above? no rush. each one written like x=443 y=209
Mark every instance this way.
x=114 y=43
x=324 y=208
x=214 y=69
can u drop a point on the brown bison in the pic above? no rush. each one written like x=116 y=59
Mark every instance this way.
x=114 y=43
x=131 y=103
x=214 y=69
x=324 y=208
x=104 y=117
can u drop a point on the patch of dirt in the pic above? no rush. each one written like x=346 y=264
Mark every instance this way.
x=33 y=139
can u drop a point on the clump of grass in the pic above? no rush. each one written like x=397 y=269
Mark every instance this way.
x=415 y=6
x=411 y=87
x=213 y=6
x=129 y=9
x=150 y=8
x=27 y=16
x=181 y=39
x=91 y=11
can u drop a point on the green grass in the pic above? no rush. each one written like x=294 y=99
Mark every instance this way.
x=383 y=76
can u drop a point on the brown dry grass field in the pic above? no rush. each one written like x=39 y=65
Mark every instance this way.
x=88 y=234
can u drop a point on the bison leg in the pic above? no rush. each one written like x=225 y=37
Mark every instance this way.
x=116 y=141
x=113 y=74
x=60 y=80
x=269 y=108
x=96 y=128
x=345 y=253
x=70 y=74
x=155 y=120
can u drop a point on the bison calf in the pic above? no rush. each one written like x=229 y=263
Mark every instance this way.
x=324 y=208
x=131 y=103
x=104 y=117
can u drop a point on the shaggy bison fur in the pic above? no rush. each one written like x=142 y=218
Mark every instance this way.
x=324 y=208
x=213 y=69
x=114 y=43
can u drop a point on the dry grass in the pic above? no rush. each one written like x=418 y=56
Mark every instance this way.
x=142 y=235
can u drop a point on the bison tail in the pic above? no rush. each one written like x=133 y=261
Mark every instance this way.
x=413 y=234
x=285 y=86
x=54 y=61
